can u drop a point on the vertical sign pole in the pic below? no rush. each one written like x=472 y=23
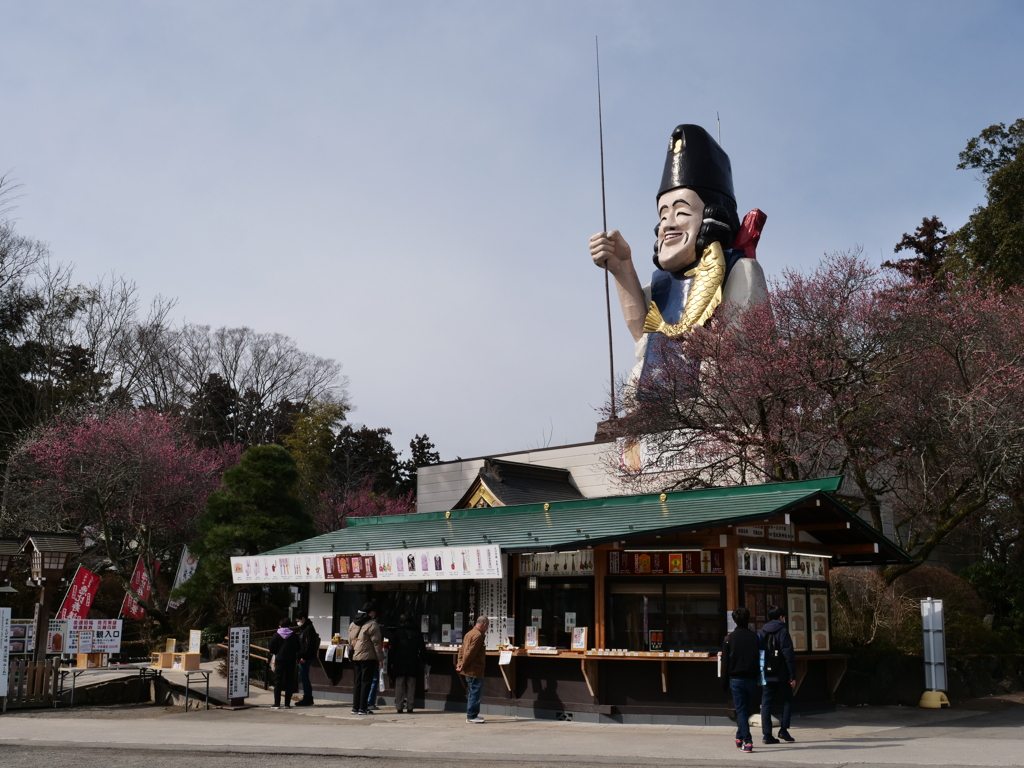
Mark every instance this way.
x=934 y=637
x=5 y=653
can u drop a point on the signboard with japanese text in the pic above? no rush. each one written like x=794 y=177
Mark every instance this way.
x=238 y=663
x=5 y=648
x=434 y=564
x=63 y=635
x=84 y=639
x=79 y=597
x=707 y=561
x=57 y=636
x=195 y=640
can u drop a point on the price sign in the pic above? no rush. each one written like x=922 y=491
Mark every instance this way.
x=238 y=663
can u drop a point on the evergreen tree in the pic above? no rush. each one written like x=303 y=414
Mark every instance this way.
x=991 y=244
x=255 y=510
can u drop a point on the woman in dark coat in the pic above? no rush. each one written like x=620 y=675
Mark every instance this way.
x=284 y=649
x=406 y=655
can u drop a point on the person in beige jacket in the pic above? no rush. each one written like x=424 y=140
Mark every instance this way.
x=367 y=643
x=471 y=663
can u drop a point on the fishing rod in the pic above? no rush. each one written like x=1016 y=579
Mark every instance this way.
x=604 y=228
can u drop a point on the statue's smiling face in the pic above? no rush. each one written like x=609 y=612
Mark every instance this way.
x=680 y=214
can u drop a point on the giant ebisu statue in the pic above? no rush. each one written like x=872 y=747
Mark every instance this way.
x=703 y=255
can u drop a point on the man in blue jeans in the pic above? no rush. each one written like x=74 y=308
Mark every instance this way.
x=741 y=673
x=780 y=682
x=472 y=663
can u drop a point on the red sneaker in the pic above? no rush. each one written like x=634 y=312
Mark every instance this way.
x=748 y=747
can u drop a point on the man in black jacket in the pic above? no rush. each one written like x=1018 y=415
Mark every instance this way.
x=406 y=657
x=781 y=681
x=309 y=645
x=741 y=673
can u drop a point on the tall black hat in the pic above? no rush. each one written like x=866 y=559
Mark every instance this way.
x=696 y=160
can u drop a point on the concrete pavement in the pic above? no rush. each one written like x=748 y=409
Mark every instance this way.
x=864 y=736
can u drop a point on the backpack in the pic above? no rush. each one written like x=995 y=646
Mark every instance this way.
x=772 y=663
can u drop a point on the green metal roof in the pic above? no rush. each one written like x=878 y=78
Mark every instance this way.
x=567 y=524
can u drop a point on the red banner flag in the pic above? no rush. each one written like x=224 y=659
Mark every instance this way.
x=130 y=608
x=78 y=600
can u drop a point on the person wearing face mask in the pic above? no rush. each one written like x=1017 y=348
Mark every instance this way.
x=704 y=255
x=309 y=645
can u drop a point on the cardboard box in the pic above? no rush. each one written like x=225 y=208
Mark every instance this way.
x=185 y=661
x=90 y=660
x=161 y=660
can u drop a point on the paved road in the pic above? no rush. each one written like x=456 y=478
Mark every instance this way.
x=154 y=736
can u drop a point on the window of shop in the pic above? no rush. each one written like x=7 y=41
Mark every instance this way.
x=666 y=615
x=555 y=606
x=438 y=602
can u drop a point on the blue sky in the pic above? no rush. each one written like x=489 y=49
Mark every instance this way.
x=409 y=187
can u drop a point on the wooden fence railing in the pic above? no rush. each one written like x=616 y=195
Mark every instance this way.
x=32 y=684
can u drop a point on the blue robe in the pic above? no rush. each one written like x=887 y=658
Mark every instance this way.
x=669 y=291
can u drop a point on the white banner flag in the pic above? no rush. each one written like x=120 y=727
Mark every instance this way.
x=186 y=569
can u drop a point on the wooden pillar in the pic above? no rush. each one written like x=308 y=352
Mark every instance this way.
x=732 y=576
x=600 y=575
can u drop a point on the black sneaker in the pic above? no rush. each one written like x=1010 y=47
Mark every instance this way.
x=769 y=740
x=739 y=743
x=748 y=747
x=784 y=735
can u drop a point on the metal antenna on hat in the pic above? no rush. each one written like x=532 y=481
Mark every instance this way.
x=719 y=128
x=604 y=228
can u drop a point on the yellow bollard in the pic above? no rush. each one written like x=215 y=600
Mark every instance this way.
x=933 y=700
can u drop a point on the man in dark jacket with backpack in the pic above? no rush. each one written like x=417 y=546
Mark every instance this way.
x=741 y=673
x=779 y=674
x=406 y=656
x=309 y=645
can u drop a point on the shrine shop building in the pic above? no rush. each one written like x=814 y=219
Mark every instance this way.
x=616 y=607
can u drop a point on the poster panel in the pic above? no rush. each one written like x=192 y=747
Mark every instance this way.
x=78 y=600
x=421 y=564
x=796 y=617
x=693 y=563
x=238 y=663
x=820 y=630
x=57 y=636
x=5 y=648
x=195 y=640
x=810 y=569
x=573 y=563
x=23 y=637
x=752 y=562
